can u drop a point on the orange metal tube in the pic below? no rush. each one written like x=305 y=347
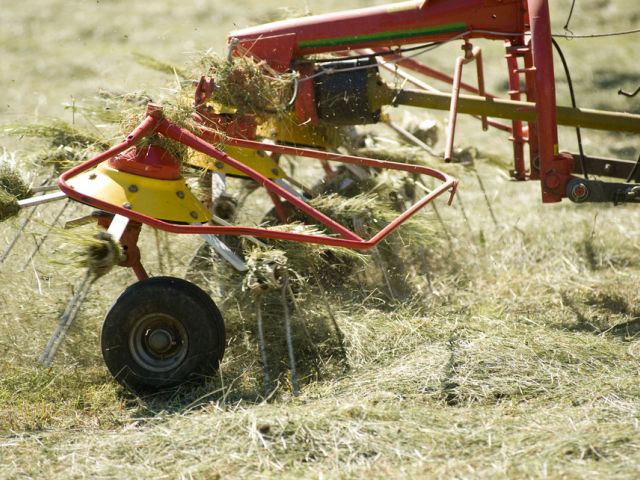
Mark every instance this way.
x=470 y=55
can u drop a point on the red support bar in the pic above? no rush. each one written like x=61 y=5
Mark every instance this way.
x=519 y=169
x=471 y=54
x=532 y=127
x=173 y=131
x=421 y=68
x=554 y=170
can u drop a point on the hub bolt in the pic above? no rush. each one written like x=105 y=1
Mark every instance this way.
x=579 y=192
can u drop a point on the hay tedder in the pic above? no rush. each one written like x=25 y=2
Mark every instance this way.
x=161 y=330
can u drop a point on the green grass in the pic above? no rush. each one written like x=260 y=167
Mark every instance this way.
x=519 y=360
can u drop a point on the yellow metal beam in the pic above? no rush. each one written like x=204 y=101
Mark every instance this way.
x=511 y=109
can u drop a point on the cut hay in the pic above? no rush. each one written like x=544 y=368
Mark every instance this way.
x=411 y=155
x=111 y=108
x=518 y=365
x=247 y=85
x=267 y=267
x=102 y=254
x=12 y=183
x=12 y=189
x=153 y=63
x=61 y=157
x=59 y=133
x=67 y=144
x=177 y=107
x=8 y=206
x=370 y=212
x=302 y=255
x=88 y=248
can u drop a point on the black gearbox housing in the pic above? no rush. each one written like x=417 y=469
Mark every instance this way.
x=342 y=91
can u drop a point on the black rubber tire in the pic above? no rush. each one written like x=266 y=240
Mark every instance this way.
x=161 y=332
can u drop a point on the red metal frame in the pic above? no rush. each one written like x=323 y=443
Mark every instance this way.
x=523 y=24
x=395 y=24
x=470 y=54
x=156 y=123
x=129 y=242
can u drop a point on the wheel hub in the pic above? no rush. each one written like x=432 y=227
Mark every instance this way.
x=160 y=340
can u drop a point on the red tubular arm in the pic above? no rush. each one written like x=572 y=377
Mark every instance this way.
x=155 y=123
x=393 y=24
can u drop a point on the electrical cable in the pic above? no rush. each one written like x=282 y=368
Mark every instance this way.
x=422 y=49
x=378 y=54
x=632 y=174
x=566 y=24
x=596 y=35
x=573 y=104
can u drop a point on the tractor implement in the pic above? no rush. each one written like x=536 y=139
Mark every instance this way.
x=162 y=330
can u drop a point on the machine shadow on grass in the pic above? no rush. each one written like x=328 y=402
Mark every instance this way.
x=602 y=313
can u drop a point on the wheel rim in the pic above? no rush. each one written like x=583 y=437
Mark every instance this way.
x=158 y=342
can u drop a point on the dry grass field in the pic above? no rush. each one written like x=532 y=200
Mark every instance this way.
x=516 y=356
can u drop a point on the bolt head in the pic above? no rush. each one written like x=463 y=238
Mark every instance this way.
x=579 y=192
x=552 y=180
x=180 y=194
x=126 y=205
x=133 y=188
x=193 y=214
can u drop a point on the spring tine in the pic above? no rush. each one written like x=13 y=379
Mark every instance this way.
x=463 y=212
x=67 y=318
x=486 y=198
x=287 y=325
x=412 y=138
x=40 y=242
x=116 y=229
x=306 y=332
x=334 y=321
x=19 y=232
x=266 y=379
x=17 y=236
